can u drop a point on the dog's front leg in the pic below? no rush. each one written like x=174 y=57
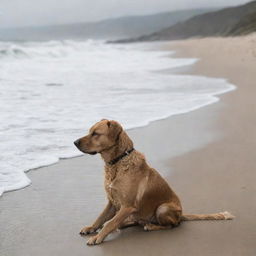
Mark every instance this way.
x=106 y=215
x=111 y=225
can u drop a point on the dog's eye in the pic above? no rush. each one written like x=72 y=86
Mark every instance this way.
x=95 y=134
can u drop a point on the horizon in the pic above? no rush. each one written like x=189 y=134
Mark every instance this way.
x=35 y=21
x=114 y=18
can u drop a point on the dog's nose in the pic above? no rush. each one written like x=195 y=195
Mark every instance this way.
x=77 y=142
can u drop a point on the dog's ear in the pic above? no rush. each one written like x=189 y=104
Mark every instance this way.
x=114 y=129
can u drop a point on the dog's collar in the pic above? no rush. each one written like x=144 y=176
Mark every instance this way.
x=115 y=160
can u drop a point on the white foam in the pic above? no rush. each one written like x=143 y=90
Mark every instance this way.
x=50 y=93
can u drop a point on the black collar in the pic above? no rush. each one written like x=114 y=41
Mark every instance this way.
x=115 y=160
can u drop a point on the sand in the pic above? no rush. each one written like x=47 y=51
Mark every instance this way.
x=207 y=156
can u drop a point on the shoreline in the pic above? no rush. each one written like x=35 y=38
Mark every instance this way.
x=200 y=154
x=129 y=129
x=213 y=98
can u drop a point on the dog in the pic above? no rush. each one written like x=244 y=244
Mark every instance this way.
x=137 y=194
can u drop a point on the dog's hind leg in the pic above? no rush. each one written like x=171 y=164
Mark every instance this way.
x=168 y=216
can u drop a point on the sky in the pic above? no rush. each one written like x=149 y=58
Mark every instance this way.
x=18 y=13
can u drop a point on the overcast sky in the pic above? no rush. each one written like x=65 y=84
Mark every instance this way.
x=44 y=12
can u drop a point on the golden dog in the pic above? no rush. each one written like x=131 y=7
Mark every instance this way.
x=137 y=194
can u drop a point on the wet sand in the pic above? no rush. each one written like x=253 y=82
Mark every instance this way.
x=207 y=156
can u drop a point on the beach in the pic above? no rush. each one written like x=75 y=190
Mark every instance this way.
x=206 y=155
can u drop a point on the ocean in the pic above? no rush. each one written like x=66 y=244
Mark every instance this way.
x=52 y=92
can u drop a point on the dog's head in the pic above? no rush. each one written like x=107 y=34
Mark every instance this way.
x=102 y=136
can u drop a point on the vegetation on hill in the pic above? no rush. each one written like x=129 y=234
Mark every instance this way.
x=246 y=26
x=228 y=21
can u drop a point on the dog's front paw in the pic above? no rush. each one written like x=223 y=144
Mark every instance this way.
x=87 y=230
x=94 y=240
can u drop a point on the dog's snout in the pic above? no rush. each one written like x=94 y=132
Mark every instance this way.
x=77 y=142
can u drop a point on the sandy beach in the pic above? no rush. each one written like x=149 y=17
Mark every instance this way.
x=207 y=156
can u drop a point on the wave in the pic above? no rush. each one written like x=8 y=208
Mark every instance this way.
x=51 y=84
x=55 y=49
x=12 y=52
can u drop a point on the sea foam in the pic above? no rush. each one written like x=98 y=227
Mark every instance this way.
x=51 y=92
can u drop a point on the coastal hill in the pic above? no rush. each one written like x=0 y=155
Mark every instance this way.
x=225 y=22
x=246 y=26
x=123 y=27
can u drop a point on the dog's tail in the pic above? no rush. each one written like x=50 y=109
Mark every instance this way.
x=213 y=216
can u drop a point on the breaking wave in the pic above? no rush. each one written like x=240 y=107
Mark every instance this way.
x=47 y=86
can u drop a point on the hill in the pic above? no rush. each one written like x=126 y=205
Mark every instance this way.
x=130 y=26
x=246 y=26
x=224 y=22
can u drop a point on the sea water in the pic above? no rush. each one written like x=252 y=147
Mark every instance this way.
x=52 y=92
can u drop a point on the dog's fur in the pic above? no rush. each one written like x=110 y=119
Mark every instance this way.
x=137 y=194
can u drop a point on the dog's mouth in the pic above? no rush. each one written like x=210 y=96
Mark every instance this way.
x=88 y=152
x=91 y=153
x=84 y=151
